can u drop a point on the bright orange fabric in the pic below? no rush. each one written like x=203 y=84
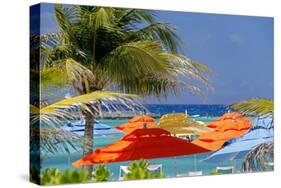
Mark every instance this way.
x=219 y=135
x=229 y=126
x=142 y=144
x=212 y=145
x=231 y=115
x=145 y=118
x=136 y=122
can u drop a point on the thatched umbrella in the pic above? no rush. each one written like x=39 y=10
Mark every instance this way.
x=187 y=127
x=180 y=124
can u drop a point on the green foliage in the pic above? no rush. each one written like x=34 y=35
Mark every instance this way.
x=214 y=172
x=126 y=48
x=34 y=175
x=101 y=173
x=138 y=170
x=255 y=107
x=52 y=176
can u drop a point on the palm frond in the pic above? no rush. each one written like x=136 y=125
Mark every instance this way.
x=258 y=160
x=54 y=76
x=134 y=60
x=57 y=113
x=99 y=18
x=66 y=71
x=143 y=68
x=85 y=99
x=96 y=19
x=163 y=32
x=65 y=16
x=158 y=86
x=53 y=140
x=186 y=67
x=129 y=18
x=50 y=40
x=255 y=107
x=33 y=109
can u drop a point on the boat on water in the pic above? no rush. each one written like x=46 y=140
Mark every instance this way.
x=100 y=129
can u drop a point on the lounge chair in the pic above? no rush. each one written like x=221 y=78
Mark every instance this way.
x=156 y=168
x=225 y=169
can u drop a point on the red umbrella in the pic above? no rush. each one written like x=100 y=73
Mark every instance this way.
x=137 y=122
x=141 y=144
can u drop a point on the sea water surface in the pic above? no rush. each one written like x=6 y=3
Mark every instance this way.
x=172 y=166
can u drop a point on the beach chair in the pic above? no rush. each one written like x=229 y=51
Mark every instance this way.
x=155 y=168
x=191 y=173
x=195 y=173
x=225 y=169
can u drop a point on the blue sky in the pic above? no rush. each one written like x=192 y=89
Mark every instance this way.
x=237 y=49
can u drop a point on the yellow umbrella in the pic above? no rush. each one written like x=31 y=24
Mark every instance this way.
x=179 y=124
x=177 y=116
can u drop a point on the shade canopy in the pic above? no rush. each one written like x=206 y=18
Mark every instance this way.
x=225 y=128
x=173 y=116
x=136 y=122
x=145 y=118
x=100 y=129
x=266 y=122
x=146 y=143
x=180 y=124
x=241 y=146
x=231 y=115
x=255 y=134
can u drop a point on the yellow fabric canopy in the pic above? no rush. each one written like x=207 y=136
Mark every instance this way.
x=178 y=123
x=177 y=116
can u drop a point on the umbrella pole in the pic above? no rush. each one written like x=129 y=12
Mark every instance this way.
x=175 y=166
x=234 y=166
x=68 y=159
x=195 y=162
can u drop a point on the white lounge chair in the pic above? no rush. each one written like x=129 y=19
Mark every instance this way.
x=225 y=169
x=156 y=168
x=195 y=173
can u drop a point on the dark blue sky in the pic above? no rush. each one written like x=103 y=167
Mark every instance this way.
x=238 y=50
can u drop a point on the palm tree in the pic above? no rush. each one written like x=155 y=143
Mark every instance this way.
x=100 y=48
x=258 y=158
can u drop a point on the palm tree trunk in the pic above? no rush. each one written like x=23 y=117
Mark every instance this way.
x=88 y=137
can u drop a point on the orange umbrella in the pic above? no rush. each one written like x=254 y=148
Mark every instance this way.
x=210 y=145
x=228 y=124
x=136 y=122
x=225 y=128
x=141 y=144
x=231 y=115
x=219 y=135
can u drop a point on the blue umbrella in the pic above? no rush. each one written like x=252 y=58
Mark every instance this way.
x=253 y=135
x=264 y=123
x=236 y=150
x=100 y=129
